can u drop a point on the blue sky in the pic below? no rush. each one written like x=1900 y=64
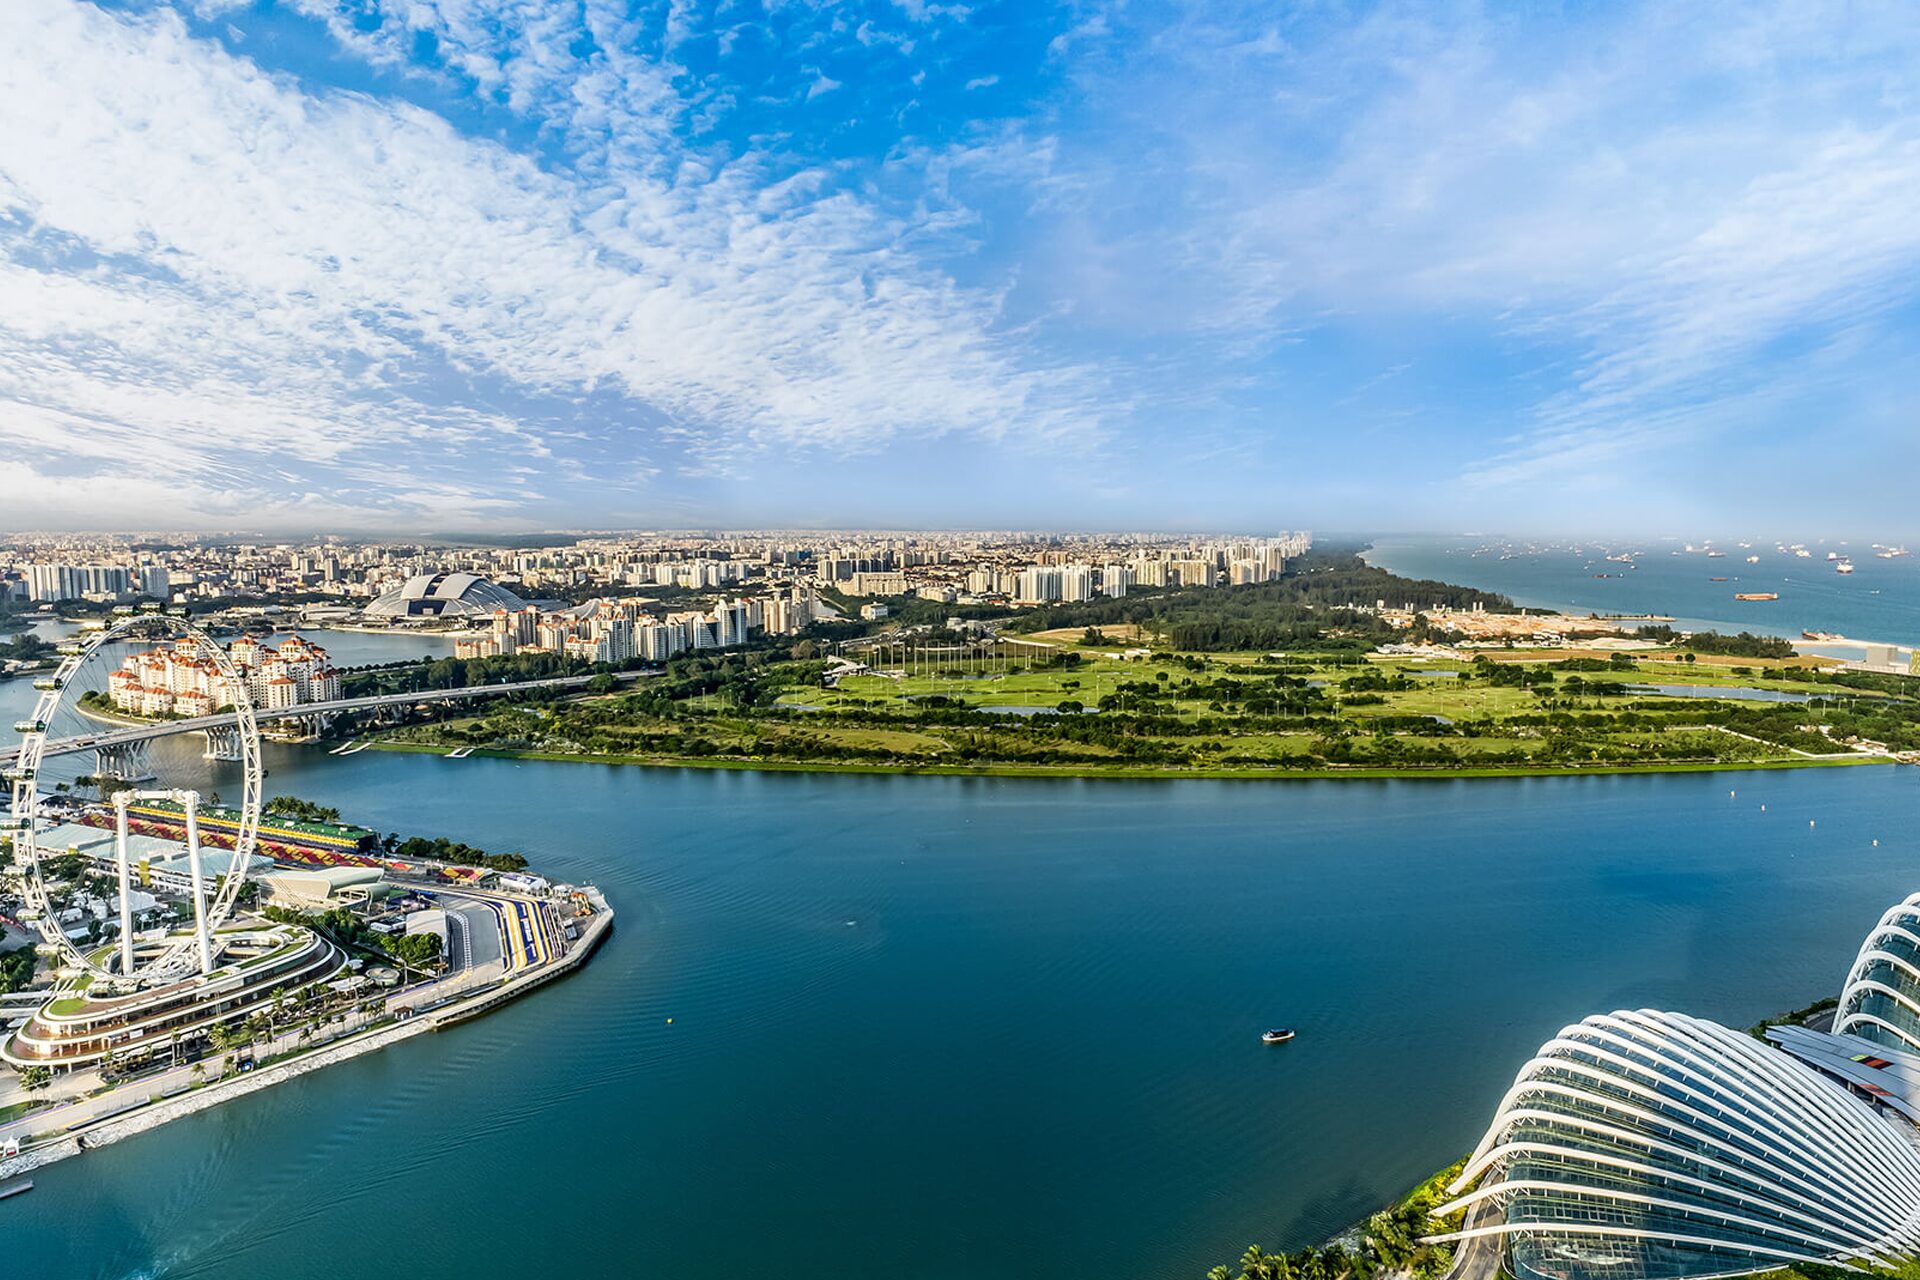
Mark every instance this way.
x=505 y=264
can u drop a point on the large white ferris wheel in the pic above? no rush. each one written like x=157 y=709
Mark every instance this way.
x=213 y=904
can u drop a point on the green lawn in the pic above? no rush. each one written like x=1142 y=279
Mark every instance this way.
x=14 y=1110
x=1257 y=719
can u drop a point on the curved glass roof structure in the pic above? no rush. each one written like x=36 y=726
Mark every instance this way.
x=1881 y=999
x=1643 y=1144
x=444 y=595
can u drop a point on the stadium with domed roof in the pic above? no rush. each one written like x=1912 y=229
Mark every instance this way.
x=443 y=595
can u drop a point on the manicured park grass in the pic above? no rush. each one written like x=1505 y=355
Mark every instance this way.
x=1236 y=715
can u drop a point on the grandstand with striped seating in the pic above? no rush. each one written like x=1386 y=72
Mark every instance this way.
x=282 y=833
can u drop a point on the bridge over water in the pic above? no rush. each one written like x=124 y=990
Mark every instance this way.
x=121 y=749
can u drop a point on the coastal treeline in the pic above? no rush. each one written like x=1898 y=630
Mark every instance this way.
x=456 y=852
x=426 y=848
x=1324 y=601
x=1391 y=1243
x=299 y=810
x=24 y=646
x=1743 y=645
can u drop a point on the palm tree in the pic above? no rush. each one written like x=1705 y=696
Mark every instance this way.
x=1254 y=1264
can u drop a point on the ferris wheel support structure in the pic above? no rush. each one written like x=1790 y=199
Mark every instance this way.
x=21 y=820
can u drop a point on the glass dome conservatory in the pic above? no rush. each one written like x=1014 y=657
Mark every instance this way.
x=1642 y=1144
x=1881 y=999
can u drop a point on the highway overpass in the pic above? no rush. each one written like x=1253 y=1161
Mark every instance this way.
x=109 y=739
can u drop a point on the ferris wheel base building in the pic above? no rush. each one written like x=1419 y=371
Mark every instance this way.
x=78 y=1029
x=1640 y=1145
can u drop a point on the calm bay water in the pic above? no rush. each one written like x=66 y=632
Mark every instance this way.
x=950 y=1027
x=1879 y=601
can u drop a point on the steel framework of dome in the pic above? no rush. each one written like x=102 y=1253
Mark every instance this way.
x=1881 y=999
x=211 y=911
x=1643 y=1144
x=444 y=595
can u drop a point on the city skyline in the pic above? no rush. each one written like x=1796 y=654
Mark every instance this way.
x=519 y=267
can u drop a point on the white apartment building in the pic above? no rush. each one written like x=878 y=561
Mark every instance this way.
x=175 y=679
x=878 y=584
x=49 y=583
x=1038 y=585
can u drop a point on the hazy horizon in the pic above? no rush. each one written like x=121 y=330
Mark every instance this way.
x=1322 y=538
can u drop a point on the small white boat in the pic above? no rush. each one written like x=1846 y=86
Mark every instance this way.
x=1279 y=1035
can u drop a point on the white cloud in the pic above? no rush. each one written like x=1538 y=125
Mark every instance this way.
x=1639 y=206
x=213 y=273
x=926 y=11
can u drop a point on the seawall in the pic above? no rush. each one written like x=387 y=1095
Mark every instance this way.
x=114 y=1128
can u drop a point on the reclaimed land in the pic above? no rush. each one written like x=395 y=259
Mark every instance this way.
x=1084 y=710
x=1284 y=679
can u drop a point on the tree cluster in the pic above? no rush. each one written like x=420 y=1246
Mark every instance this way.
x=16 y=969
x=300 y=810
x=1389 y=1243
x=1323 y=603
x=1743 y=645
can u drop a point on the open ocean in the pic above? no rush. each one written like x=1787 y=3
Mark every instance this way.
x=1879 y=601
